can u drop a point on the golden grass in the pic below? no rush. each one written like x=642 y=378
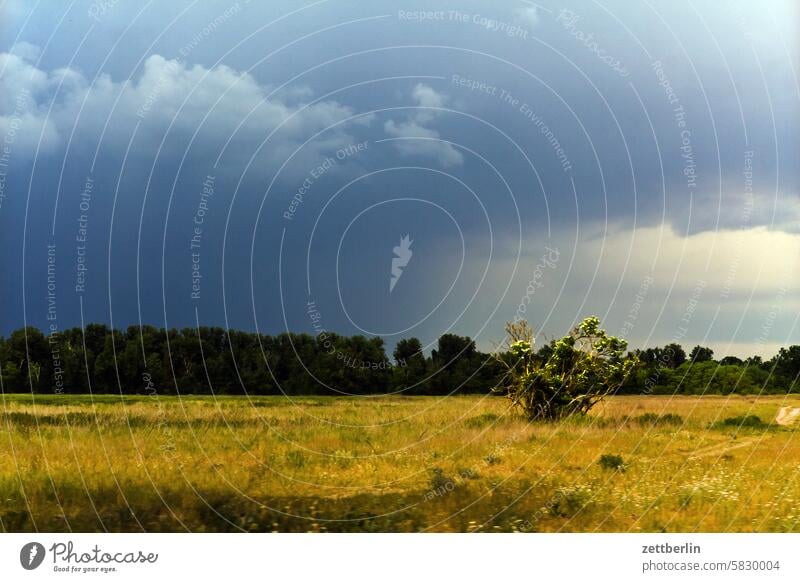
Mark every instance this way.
x=392 y=464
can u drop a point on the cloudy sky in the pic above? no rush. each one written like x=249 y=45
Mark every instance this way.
x=176 y=163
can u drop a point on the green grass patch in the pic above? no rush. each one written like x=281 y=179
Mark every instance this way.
x=742 y=421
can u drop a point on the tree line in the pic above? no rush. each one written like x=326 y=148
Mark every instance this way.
x=143 y=360
x=214 y=360
x=670 y=370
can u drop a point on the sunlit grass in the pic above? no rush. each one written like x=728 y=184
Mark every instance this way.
x=393 y=464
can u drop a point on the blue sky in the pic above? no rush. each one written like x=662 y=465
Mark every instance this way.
x=228 y=163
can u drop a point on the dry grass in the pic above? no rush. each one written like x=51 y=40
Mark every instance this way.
x=393 y=464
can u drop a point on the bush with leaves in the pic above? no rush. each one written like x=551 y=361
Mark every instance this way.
x=579 y=371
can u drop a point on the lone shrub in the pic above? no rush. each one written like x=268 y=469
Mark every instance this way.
x=579 y=371
x=612 y=463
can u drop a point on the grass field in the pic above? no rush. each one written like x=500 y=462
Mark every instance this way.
x=394 y=464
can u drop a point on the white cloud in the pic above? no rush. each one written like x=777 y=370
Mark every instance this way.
x=737 y=210
x=23 y=90
x=427 y=96
x=416 y=140
x=413 y=138
x=528 y=14
x=157 y=98
x=25 y=50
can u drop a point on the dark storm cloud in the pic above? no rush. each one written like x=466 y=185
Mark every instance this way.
x=488 y=133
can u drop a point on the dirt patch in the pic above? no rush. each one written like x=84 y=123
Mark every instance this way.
x=788 y=416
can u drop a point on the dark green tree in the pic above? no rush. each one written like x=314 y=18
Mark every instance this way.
x=701 y=354
x=410 y=365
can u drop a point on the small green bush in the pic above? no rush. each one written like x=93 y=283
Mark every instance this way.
x=741 y=421
x=653 y=419
x=439 y=482
x=612 y=463
x=482 y=420
x=492 y=459
x=569 y=501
